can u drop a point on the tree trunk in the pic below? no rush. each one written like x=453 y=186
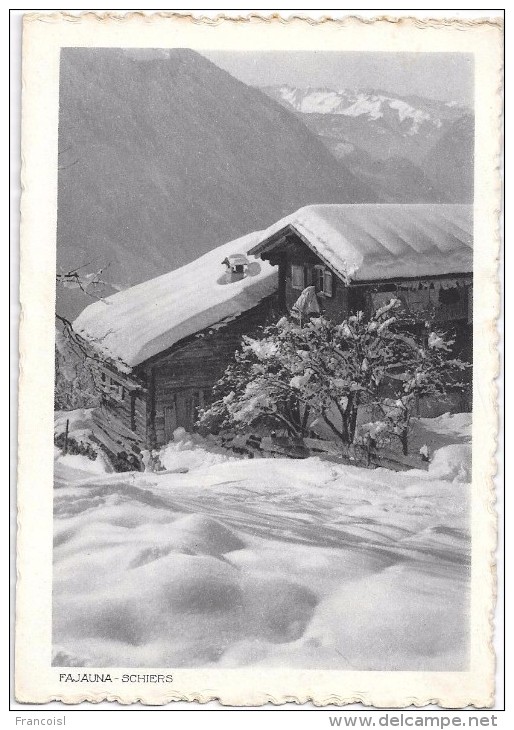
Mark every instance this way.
x=352 y=424
x=345 y=437
x=333 y=428
x=404 y=438
x=305 y=419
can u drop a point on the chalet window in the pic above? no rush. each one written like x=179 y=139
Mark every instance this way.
x=297 y=277
x=112 y=388
x=323 y=280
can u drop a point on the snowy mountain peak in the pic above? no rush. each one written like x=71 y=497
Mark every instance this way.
x=370 y=105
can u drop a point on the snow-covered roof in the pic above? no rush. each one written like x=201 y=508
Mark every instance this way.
x=359 y=242
x=133 y=325
x=375 y=242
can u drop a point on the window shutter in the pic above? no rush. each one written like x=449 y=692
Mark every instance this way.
x=327 y=283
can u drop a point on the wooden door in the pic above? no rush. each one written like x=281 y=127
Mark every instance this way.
x=181 y=400
x=170 y=421
x=183 y=412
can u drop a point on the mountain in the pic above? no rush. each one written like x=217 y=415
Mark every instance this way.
x=395 y=143
x=450 y=162
x=381 y=124
x=164 y=156
x=397 y=179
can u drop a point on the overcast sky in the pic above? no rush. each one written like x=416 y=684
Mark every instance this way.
x=445 y=76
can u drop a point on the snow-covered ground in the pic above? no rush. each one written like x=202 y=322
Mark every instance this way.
x=265 y=562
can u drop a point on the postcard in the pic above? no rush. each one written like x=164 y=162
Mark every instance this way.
x=258 y=350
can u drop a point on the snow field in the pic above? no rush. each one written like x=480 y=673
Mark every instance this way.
x=266 y=562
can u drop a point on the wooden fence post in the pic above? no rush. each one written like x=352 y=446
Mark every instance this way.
x=66 y=435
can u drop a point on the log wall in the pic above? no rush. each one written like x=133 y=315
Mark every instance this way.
x=297 y=253
x=184 y=376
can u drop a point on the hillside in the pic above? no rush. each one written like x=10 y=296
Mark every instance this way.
x=450 y=162
x=164 y=156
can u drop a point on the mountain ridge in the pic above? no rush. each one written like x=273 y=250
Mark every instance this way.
x=162 y=157
x=395 y=143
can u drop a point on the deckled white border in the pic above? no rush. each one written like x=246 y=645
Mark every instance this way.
x=36 y=680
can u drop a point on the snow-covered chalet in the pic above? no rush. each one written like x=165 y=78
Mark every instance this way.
x=161 y=345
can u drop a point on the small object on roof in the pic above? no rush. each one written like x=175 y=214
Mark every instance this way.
x=135 y=324
x=235 y=259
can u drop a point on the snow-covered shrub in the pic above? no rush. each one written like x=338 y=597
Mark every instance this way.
x=73 y=446
x=426 y=368
x=324 y=371
x=374 y=433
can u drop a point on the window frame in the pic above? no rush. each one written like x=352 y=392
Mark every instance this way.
x=111 y=387
x=299 y=270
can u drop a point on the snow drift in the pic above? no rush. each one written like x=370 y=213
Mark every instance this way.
x=266 y=562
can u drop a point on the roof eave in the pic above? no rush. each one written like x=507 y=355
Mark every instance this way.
x=271 y=241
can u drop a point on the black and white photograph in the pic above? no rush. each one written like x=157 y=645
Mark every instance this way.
x=264 y=387
x=263 y=359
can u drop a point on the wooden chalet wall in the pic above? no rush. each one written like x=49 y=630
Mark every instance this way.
x=186 y=373
x=122 y=416
x=345 y=300
x=298 y=254
x=143 y=408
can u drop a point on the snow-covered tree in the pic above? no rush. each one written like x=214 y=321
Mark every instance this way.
x=256 y=388
x=427 y=368
x=296 y=375
x=74 y=379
